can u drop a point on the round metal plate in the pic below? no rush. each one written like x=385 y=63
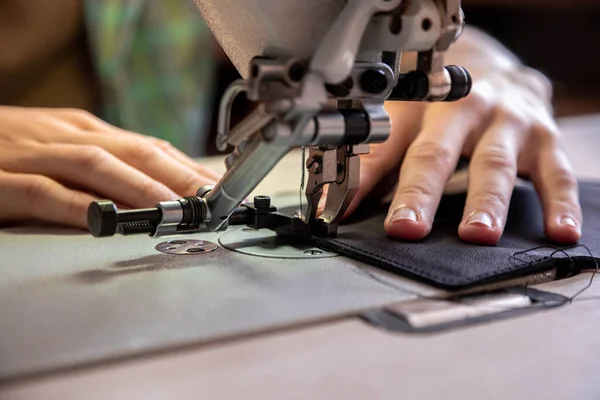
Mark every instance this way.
x=186 y=247
x=266 y=243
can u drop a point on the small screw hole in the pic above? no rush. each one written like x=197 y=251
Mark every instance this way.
x=177 y=242
x=454 y=19
x=195 y=250
x=426 y=24
x=313 y=252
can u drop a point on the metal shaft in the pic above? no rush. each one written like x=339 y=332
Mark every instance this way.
x=254 y=164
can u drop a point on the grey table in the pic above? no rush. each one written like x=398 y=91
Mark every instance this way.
x=82 y=318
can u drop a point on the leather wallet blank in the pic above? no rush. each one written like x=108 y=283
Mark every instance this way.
x=444 y=261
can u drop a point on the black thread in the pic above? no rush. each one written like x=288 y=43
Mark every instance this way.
x=568 y=256
x=514 y=256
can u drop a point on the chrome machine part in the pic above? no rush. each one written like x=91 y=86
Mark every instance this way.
x=339 y=48
x=340 y=171
x=267 y=243
x=241 y=178
x=224 y=122
x=186 y=247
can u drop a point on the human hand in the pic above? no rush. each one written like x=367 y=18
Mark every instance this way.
x=505 y=127
x=54 y=162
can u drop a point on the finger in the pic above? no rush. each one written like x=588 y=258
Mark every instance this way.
x=80 y=119
x=93 y=168
x=169 y=149
x=152 y=161
x=557 y=186
x=183 y=158
x=428 y=164
x=493 y=173
x=26 y=196
x=385 y=157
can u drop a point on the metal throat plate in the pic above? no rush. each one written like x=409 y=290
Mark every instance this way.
x=266 y=243
x=186 y=247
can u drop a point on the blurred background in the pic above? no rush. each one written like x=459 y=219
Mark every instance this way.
x=559 y=37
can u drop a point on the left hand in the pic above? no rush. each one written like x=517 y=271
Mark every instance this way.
x=506 y=128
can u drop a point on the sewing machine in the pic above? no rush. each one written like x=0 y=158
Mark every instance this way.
x=317 y=80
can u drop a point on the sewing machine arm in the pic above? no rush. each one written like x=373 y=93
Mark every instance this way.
x=326 y=95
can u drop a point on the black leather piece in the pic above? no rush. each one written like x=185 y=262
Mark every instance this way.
x=443 y=260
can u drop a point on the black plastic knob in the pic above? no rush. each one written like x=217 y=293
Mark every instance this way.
x=461 y=83
x=102 y=218
x=413 y=86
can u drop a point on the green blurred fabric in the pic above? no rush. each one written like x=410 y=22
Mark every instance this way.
x=155 y=62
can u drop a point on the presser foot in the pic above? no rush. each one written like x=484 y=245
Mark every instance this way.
x=338 y=168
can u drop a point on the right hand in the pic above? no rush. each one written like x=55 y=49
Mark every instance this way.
x=55 y=162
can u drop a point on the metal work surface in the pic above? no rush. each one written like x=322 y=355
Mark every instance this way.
x=68 y=299
x=552 y=355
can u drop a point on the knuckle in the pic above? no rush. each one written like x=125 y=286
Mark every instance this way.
x=36 y=190
x=547 y=136
x=492 y=197
x=192 y=182
x=417 y=189
x=512 y=117
x=82 y=115
x=432 y=154
x=162 y=144
x=90 y=157
x=478 y=100
x=76 y=205
x=141 y=151
x=564 y=180
x=151 y=191
x=497 y=158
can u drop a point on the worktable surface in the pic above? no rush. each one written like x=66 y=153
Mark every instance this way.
x=551 y=354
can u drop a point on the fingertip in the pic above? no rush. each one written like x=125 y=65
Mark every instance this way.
x=405 y=223
x=479 y=227
x=479 y=234
x=564 y=230
x=406 y=230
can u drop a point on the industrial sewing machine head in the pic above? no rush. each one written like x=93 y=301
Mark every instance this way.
x=318 y=73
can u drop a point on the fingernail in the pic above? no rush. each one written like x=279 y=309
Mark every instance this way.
x=568 y=221
x=403 y=214
x=480 y=218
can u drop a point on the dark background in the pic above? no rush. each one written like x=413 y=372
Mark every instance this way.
x=559 y=37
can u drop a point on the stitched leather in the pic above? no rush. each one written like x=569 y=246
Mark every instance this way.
x=443 y=260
